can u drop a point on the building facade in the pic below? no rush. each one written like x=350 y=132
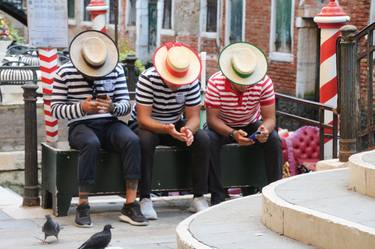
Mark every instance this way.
x=283 y=29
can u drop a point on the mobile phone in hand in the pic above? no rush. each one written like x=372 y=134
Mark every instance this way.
x=253 y=136
x=101 y=96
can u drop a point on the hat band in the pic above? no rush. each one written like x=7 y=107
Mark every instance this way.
x=241 y=75
x=174 y=72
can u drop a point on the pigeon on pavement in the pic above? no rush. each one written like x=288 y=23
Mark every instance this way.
x=99 y=240
x=50 y=228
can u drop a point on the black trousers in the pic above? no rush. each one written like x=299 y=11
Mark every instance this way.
x=89 y=136
x=272 y=158
x=200 y=157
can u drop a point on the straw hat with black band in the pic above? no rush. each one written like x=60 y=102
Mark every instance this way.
x=177 y=63
x=93 y=53
x=242 y=63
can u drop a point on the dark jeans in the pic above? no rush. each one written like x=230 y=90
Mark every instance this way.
x=200 y=157
x=272 y=158
x=89 y=136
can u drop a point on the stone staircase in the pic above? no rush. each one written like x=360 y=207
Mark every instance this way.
x=331 y=209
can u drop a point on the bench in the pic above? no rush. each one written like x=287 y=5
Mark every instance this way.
x=171 y=172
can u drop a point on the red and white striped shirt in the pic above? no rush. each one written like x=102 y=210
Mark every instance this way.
x=238 y=109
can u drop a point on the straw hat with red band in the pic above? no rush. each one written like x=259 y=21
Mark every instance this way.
x=93 y=53
x=242 y=63
x=177 y=63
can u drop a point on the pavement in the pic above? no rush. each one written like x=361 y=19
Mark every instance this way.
x=21 y=227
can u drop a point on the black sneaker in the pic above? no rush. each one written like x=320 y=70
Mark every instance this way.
x=83 y=216
x=131 y=213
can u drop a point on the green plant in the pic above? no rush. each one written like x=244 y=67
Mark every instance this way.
x=124 y=51
x=7 y=32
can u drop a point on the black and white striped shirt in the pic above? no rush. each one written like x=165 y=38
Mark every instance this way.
x=70 y=88
x=167 y=105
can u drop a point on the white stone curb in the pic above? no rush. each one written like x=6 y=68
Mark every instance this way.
x=362 y=174
x=312 y=227
x=185 y=239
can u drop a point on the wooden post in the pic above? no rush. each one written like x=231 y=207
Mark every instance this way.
x=349 y=93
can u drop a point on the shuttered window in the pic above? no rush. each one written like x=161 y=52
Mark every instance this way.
x=86 y=15
x=132 y=14
x=236 y=20
x=71 y=9
x=211 y=21
x=283 y=29
x=167 y=15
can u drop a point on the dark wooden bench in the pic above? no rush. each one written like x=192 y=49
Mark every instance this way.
x=241 y=166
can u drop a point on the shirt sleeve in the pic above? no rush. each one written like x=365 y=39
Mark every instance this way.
x=212 y=97
x=193 y=97
x=121 y=99
x=267 y=95
x=60 y=107
x=144 y=92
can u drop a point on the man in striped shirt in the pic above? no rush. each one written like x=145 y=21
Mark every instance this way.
x=163 y=94
x=91 y=92
x=240 y=101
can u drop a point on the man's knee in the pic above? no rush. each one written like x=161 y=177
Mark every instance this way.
x=146 y=138
x=274 y=140
x=91 y=143
x=202 y=139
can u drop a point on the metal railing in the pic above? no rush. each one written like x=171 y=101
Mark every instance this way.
x=326 y=131
x=355 y=61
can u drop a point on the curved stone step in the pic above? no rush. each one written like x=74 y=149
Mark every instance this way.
x=362 y=173
x=232 y=224
x=319 y=209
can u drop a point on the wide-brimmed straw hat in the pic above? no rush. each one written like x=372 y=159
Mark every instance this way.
x=177 y=63
x=93 y=53
x=242 y=63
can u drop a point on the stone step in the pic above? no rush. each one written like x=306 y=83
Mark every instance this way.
x=362 y=173
x=232 y=224
x=319 y=209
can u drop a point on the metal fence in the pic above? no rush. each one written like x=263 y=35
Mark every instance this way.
x=355 y=61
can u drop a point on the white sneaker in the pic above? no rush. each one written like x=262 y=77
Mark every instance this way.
x=198 y=204
x=148 y=210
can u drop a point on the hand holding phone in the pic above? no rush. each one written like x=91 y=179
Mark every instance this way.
x=253 y=136
x=101 y=96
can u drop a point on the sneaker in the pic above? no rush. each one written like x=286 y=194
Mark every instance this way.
x=83 y=216
x=198 y=204
x=216 y=199
x=147 y=209
x=131 y=213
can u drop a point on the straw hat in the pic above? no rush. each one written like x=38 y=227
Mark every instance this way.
x=243 y=63
x=93 y=53
x=177 y=63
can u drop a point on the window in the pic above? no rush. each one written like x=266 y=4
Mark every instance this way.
x=235 y=25
x=132 y=13
x=86 y=15
x=281 y=30
x=167 y=15
x=71 y=9
x=211 y=19
x=112 y=11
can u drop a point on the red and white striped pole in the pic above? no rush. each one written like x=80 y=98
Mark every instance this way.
x=329 y=20
x=98 y=12
x=48 y=65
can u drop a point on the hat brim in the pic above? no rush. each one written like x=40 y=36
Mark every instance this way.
x=192 y=74
x=79 y=62
x=227 y=69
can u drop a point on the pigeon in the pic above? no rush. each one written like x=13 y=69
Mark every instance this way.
x=99 y=240
x=50 y=228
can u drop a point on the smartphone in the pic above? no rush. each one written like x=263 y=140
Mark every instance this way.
x=101 y=96
x=253 y=136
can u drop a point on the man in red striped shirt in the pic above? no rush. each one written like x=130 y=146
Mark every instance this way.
x=240 y=101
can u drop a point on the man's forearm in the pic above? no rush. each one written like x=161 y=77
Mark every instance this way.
x=193 y=124
x=220 y=127
x=152 y=125
x=269 y=124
